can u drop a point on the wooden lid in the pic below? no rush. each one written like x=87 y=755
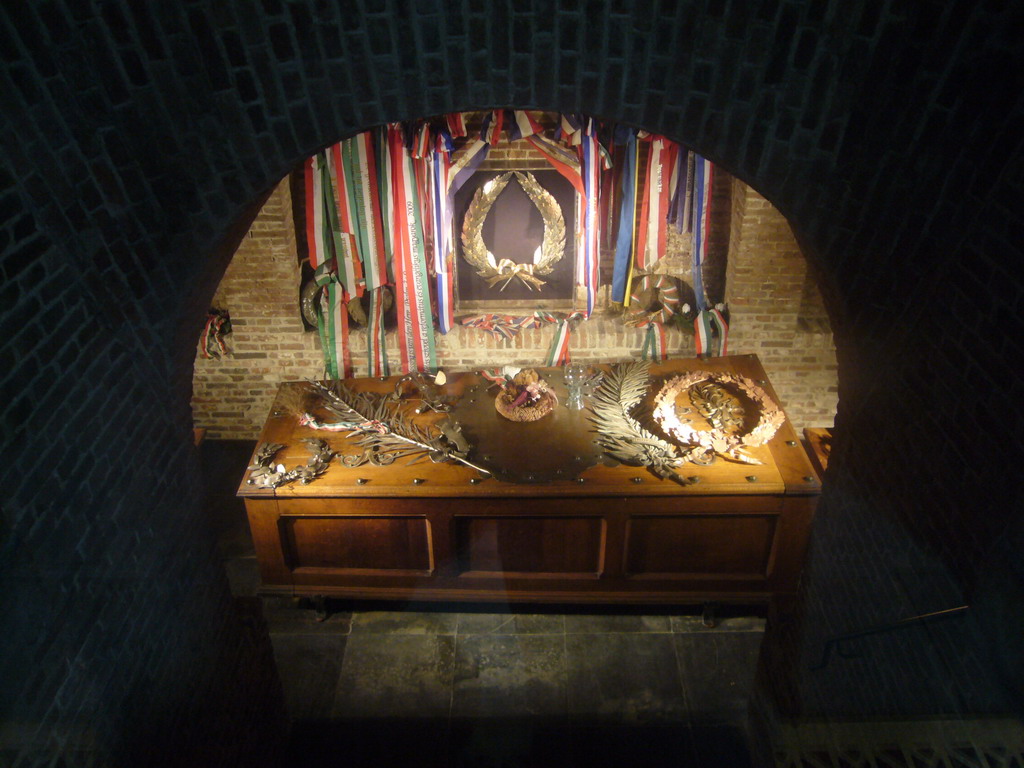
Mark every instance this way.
x=785 y=468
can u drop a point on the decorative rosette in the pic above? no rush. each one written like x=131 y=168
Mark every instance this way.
x=701 y=446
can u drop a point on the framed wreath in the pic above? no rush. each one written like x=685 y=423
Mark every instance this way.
x=722 y=411
x=502 y=270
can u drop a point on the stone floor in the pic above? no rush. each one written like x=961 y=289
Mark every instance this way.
x=486 y=688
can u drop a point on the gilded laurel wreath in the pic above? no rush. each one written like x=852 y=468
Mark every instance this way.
x=724 y=439
x=505 y=271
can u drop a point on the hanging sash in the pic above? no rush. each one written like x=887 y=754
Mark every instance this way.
x=348 y=265
x=522 y=125
x=456 y=125
x=558 y=352
x=708 y=321
x=654 y=343
x=627 y=213
x=333 y=258
x=442 y=255
x=376 y=357
x=416 y=328
x=652 y=235
x=590 y=162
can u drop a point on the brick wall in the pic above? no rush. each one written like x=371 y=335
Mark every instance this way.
x=765 y=292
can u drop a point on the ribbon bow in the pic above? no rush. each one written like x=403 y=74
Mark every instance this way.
x=509 y=270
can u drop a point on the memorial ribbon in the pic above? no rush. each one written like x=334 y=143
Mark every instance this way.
x=443 y=256
x=627 y=214
x=708 y=322
x=416 y=329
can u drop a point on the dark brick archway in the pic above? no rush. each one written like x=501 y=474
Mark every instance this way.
x=138 y=137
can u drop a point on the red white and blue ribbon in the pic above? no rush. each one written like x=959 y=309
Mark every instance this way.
x=456 y=125
x=490 y=132
x=522 y=125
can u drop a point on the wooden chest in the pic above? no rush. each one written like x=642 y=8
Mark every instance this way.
x=614 y=534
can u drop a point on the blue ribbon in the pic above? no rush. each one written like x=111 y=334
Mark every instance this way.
x=624 y=243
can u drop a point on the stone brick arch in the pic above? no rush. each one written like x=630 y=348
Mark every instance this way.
x=135 y=137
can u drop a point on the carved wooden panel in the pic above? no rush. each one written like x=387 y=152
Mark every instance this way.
x=729 y=546
x=529 y=545
x=357 y=543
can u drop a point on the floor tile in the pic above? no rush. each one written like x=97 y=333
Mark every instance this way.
x=510 y=624
x=290 y=615
x=309 y=666
x=396 y=676
x=717 y=671
x=730 y=624
x=509 y=675
x=622 y=677
x=590 y=623
x=404 y=623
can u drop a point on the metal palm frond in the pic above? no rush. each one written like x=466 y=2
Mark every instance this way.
x=620 y=434
x=384 y=432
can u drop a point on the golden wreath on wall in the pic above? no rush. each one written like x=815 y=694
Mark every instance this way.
x=497 y=270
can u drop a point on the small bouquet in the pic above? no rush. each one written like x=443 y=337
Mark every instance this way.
x=524 y=396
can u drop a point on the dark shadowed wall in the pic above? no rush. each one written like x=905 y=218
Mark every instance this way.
x=138 y=138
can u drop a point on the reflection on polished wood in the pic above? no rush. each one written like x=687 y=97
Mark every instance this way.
x=615 y=534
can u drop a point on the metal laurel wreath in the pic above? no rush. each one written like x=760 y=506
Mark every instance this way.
x=505 y=271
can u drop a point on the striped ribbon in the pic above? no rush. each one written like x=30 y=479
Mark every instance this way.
x=492 y=125
x=443 y=256
x=508 y=326
x=376 y=356
x=416 y=328
x=709 y=324
x=562 y=160
x=621 y=276
x=456 y=125
x=338 y=230
x=332 y=322
x=654 y=347
x=522 y=125
x=212 y=335
x=360 y=169
x=652 y=227
x=591 y=162
x=558 y=353
x=702 y=179
x=333 y=263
